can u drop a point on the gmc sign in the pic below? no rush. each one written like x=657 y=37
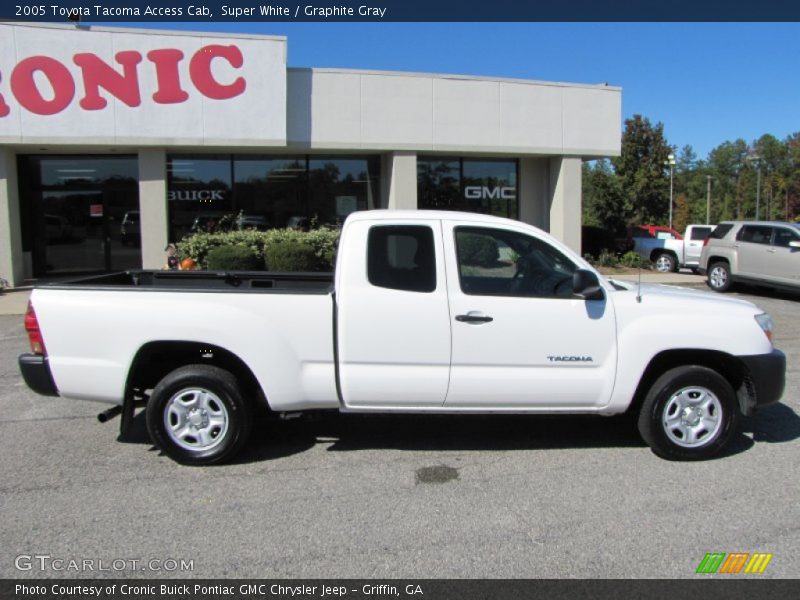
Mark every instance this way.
x=482 y=192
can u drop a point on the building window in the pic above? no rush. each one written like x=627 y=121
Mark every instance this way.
x=266 y=192
x=198 y=193
x=487 y=186
x=270 y=192
x=339 y=186
x=80 y=213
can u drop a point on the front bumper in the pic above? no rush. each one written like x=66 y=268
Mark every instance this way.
x=36 y=373
x=767 y=378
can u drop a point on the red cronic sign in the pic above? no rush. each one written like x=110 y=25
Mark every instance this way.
x=120 y=82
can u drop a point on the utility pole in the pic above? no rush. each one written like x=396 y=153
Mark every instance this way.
x=755 y=158
x=671 y=162
x=758 y=193
x=708 y=199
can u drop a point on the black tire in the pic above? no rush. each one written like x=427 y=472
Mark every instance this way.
x=719 y=277
x=664 y=396
x=222 y=396
x=667 y=262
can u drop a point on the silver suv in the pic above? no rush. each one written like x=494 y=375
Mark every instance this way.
x=758 y=252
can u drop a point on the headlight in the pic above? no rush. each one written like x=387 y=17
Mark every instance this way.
x=766 y=323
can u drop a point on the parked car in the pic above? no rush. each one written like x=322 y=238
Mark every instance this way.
x=258 y=222
x=428 y=312
x=130 y=229
x=668 y=249
x=759 y=252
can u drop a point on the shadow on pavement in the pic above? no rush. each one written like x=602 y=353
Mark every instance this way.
x=274 y=439
x=773 y=424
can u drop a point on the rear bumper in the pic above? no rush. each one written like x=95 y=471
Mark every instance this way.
x=36 y=373
x=767 y=377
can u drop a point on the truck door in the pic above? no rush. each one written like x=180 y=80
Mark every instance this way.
x=693 y=243
x=393 y=323
x=520 y=338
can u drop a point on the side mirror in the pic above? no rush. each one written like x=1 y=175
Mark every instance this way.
x=586 y=284
x=795 y=244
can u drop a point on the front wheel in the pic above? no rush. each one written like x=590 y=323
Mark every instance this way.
x=666 y=263
x=690 y=413
x=196 y=415
x=719 y=277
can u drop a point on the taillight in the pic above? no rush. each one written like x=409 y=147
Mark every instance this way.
x=705 y=242
x=34 y=333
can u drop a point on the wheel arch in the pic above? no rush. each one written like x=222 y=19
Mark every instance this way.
x=728 y=366
x=715 y=258
x=156 y=359
x=656 y=252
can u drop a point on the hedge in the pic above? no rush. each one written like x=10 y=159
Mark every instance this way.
x=233 y=258
x=291 y=255
x=322 y=242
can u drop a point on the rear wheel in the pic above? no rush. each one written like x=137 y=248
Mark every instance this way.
x=196 y=415
x=690 y=413
x=719 y=277
x=666 y=263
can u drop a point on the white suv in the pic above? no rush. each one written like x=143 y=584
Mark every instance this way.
x=758 y=252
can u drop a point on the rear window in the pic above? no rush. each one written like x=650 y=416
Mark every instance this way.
x=402 y=257
x=700 y=233
x=721 y=231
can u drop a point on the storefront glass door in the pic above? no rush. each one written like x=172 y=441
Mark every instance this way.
x=80 y=214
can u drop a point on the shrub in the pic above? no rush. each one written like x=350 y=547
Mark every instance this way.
x=291 y=255
x=606 y=259
x=322 y=240
x=233 y=258
x=633 y=259
x=478 y=250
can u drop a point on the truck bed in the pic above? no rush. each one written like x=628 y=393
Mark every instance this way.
x=204 y=281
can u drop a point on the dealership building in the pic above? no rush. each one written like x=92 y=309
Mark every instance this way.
x=115 y=142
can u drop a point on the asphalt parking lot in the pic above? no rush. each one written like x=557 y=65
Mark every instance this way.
x=348 y=496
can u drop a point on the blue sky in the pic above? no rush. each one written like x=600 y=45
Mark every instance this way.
x=707 y=82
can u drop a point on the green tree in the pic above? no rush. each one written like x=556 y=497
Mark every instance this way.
x=603 y=202
x=727 y=166
x=643 y=175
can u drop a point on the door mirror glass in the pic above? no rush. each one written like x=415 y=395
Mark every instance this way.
x=586 y=284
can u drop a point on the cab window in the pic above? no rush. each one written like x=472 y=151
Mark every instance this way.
x=402 y=258
x=497 y=262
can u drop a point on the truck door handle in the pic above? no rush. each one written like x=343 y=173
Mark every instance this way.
x=474 y=317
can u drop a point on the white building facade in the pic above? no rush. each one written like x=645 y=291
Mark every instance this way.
x=115 y=142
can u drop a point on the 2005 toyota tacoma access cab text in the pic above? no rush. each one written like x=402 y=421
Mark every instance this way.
x=426 y=312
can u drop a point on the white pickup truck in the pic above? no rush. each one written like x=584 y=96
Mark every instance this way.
x=426 y=312
x=669 y=253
